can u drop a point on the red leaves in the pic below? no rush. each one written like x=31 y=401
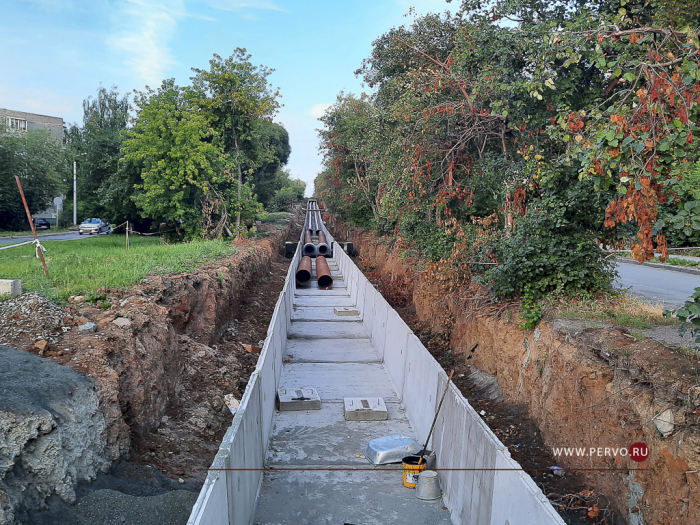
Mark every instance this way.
x=575 y=122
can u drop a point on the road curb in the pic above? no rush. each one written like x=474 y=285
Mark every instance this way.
x=669 y=267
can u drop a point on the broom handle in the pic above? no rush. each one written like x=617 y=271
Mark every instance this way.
x=447 y=385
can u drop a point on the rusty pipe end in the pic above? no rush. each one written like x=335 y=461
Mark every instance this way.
x=323 y=274
x=303 y=275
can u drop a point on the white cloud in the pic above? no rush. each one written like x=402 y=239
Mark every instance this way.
x=144 y=31
x=317 y=110
x=241 y=5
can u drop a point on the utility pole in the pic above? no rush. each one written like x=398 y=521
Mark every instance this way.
x=75 y=193
x=75 y=190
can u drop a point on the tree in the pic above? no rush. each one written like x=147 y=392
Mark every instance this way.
x=271 y=152
x=96 y=145
x=237 y=95
x=182 y=158
x=39 y=161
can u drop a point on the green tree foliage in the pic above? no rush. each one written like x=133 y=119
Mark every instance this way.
x=96 y=147
x=39 y=160
x=201 y=149
x=181 y=155
x=237 y=95
x=291 y=192
x=273 y=150
x=567 y=123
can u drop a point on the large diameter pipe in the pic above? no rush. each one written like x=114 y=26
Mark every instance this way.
x=309 y=246
x=323 y=274
x=303 y=275
x=323 y=248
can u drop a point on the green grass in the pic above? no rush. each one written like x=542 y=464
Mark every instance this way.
x=677 y=262
x=274 y=216
x=670 y=260
x=81 y=267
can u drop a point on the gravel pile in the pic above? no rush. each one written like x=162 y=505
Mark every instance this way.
x=30 y=317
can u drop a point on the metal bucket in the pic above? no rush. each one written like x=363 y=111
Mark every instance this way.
x=412 y=467
x=428 y=487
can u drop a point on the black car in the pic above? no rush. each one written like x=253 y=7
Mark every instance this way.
x=42 y=223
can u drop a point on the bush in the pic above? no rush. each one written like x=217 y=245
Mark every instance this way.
x=542 y=256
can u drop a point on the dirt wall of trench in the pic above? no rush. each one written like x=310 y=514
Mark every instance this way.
x=159 y=342
x=583 y=387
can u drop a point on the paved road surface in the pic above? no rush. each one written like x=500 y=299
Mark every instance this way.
x=46 y=237
x=657 y=284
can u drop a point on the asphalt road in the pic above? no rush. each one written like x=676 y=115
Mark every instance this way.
x=673 y=288
x=45 y=237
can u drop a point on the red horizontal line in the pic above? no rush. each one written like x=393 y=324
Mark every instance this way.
x=445 y=469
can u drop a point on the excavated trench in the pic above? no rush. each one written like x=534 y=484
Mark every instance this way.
x=564 y=384
x=117 y=433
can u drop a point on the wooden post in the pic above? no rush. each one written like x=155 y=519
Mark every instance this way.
x=31 y=223
x=127 y=235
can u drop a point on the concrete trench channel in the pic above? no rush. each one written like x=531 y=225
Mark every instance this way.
x=308 y=466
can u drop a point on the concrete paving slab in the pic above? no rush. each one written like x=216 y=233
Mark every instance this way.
x=333 y=498
x=313 y=285
x=365 y=408
x=325 y=329
x=331 y=351
x=341 y=292
x=324 y=313
x=324 y=437
x=335 y=381
x=329 y=301
x=298 y=399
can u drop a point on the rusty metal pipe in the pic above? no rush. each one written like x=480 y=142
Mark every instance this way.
x=303 y=275
x=323 y=274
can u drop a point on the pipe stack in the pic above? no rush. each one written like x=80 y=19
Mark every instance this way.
x=316 y=243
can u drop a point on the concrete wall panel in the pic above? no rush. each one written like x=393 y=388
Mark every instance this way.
x=420 y=387
x=381 y=310
x=516 y=498
x=395 y=350
x=247 y=452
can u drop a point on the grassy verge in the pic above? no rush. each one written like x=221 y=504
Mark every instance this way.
x=670 y=260
x=274 y=216
x=628 y=312
x=81 y=267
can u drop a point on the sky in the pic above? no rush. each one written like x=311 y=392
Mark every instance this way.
x=56 y=53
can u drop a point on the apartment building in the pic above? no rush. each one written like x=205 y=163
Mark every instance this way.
x=23 y=121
